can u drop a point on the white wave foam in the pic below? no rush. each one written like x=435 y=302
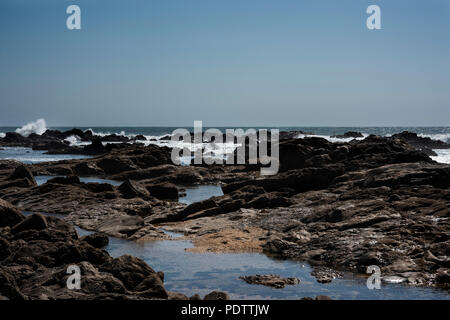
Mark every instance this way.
x=73 y=140
x=39 y=127
x=329 y=138
x=443 y=156
x=2 y=134
x=100 y=134
x=76 y=141
x=437 y=136
x=214 y=151
x=104 y=134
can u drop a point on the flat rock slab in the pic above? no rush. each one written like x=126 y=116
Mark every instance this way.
x=325 y=275
x=270 y=280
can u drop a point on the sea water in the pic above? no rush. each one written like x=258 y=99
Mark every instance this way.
x=153 y=134
x=29 y=156
x=190 y=273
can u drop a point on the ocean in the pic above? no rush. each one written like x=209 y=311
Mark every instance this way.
x=153 y=133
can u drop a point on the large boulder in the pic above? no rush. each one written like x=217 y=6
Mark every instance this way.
x=19 y=183
x=113 y=138
x=96 y=147
x=22 y=172
x=270 y=280
x=421 y=142
x=140 y=137
x=9 y=215
x=70 y=180
x=136 y=275
x=130 y=189
x=349 y=134
x=86 y=169
x=35 y=264
x=14 y=137
x=165 y=191
x=121 y=226
x=114 y=165
x=217 y=295
x=33 y=222
x=97 y=240
x=54 y=147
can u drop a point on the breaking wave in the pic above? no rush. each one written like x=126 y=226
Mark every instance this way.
x=437 y=136
x=443 y=156
x=330 y=138
x=39 y=127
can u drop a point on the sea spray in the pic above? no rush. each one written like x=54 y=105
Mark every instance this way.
x=38 y=127
x=445 y=137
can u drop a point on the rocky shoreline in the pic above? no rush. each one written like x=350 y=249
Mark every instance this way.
x=340 y=206
x=36 y=253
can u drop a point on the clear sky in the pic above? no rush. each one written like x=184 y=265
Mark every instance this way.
x=227 y=62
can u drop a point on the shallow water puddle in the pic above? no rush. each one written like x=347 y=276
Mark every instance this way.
x=191 y=193
x=200 y=193
x=30 y=156
x=43 y=179
x=191 y=273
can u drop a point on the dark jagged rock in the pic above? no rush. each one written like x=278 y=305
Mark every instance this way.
x=167 y=191
x=130 y=189
x=121 y=226
x=86 y=169
x=217 y=295
x=270 y=280
x=97 y=240
x=287 y=135
x=19 y=183
x=54 y=147
x=9 y=215
x=136 y=275
x=325 y=275
x=58 y=135
x=421 y=142
x=22 y=172
x=96 y=147
x=55 y=142
x=140 y=137
x=113 y=138
x=54 y=134
x=33 y=222
x=12 y=137
x=100 y=188
x=349 y=134
x=65 y=180
x=34 y=264
x=322 y=298
x=269 y=200
x=114 y=165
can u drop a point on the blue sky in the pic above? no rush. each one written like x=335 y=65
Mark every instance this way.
x=228 y=63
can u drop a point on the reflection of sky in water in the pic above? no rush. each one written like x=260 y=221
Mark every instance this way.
x=43 y=179
x=199 y=193
x=201 y=273
x=191 y=273
x=29 y=156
